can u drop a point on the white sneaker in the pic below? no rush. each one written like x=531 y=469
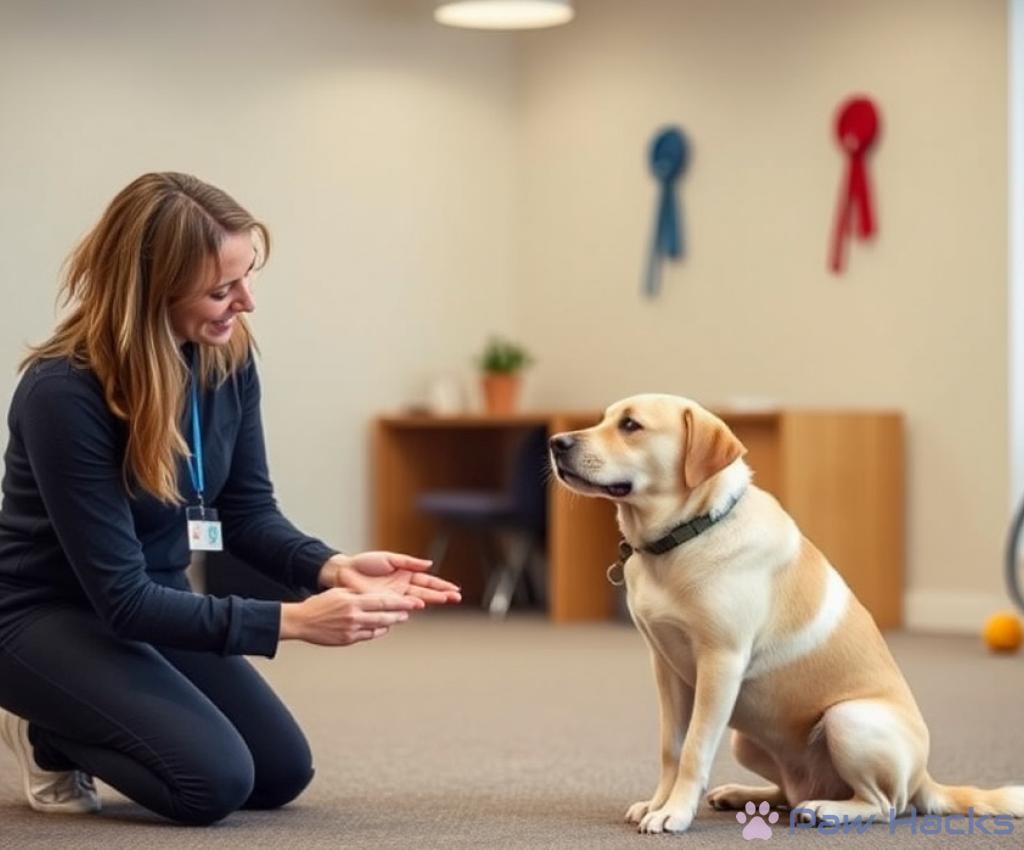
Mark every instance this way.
x=66 y=791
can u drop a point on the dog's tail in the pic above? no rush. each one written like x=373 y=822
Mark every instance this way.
x=936 y=799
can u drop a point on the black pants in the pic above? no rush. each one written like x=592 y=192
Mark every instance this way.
x=191 y=736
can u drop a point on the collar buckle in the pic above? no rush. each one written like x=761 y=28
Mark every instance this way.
x=616 y=573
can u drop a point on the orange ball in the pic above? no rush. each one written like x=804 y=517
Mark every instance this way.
x=1003 y=632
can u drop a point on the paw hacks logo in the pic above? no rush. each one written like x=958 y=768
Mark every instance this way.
x=756 y=824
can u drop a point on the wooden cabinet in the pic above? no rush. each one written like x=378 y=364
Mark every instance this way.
x=839 y=473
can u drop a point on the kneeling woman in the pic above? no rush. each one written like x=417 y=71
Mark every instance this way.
x=140 y=414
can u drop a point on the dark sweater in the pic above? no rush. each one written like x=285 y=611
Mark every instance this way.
x=70 y=531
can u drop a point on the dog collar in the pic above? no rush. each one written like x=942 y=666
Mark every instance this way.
x=676 y=537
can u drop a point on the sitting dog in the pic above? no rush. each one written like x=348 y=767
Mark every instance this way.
x=750 y=627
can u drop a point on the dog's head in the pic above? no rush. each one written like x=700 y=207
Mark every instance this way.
x=646 y=446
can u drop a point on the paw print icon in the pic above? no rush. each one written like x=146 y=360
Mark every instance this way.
x=756 y=824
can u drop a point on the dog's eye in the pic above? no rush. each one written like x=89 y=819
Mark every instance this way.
x=629 y=425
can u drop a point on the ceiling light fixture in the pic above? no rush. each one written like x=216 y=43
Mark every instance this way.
x=504 y=14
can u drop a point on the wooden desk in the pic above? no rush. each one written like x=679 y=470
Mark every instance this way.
x=840 y=474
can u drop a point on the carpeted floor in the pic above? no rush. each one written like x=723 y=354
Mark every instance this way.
x=456 y=731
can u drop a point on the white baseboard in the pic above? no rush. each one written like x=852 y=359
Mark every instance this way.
x=951 y=612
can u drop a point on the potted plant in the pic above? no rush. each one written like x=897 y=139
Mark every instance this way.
x=501 y=362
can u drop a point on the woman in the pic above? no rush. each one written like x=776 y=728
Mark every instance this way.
x=135 y=435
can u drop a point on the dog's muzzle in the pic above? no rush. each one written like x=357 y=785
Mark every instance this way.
x=563 y=448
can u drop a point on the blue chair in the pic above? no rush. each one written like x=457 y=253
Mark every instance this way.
x=510 y=525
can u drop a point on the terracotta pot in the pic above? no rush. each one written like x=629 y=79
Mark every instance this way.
x=501 y=392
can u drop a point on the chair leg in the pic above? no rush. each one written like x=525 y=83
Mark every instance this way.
x=493 y=563
x=530 y=590
x=438 y=549
x=517 y=551
x=537 y=574
x=501 y=595
x=493 y=589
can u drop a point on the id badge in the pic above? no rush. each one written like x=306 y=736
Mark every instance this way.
x=203 y=530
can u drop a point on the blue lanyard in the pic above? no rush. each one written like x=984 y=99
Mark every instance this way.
x=196 y=473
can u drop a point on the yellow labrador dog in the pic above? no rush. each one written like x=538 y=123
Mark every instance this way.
x=750 y=627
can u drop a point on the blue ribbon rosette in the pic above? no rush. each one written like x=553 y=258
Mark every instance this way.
x=669 y=156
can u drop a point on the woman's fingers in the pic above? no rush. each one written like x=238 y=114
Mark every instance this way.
x=434 y=597
x=339 y=617
x=400 y=561
x=387 y=602
x=408 y=562
x=433 y=582
x=433 y=590
x=384 y=619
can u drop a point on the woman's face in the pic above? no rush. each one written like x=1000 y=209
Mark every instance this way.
x=209 y=316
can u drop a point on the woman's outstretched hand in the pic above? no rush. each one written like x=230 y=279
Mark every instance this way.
x=364 y=596
x=339 y=617
x=388 y=572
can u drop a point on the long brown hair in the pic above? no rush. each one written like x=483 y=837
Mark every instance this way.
x=156 y=245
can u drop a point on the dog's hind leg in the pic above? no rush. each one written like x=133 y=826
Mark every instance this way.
x=754 y=757
x=878 y=752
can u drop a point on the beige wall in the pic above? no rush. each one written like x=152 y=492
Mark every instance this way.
x=918 y=322
x=426 y=186
x=378 y=146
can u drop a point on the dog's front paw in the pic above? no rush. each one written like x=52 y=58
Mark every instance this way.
x=667 y=819
x=729 y=796
x=636 y=812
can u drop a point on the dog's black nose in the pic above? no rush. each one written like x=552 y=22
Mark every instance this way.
x=562 y=443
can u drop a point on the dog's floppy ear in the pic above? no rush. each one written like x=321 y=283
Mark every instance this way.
x=708 y=446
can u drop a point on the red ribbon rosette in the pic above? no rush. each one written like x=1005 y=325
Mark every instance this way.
x=856 y=129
